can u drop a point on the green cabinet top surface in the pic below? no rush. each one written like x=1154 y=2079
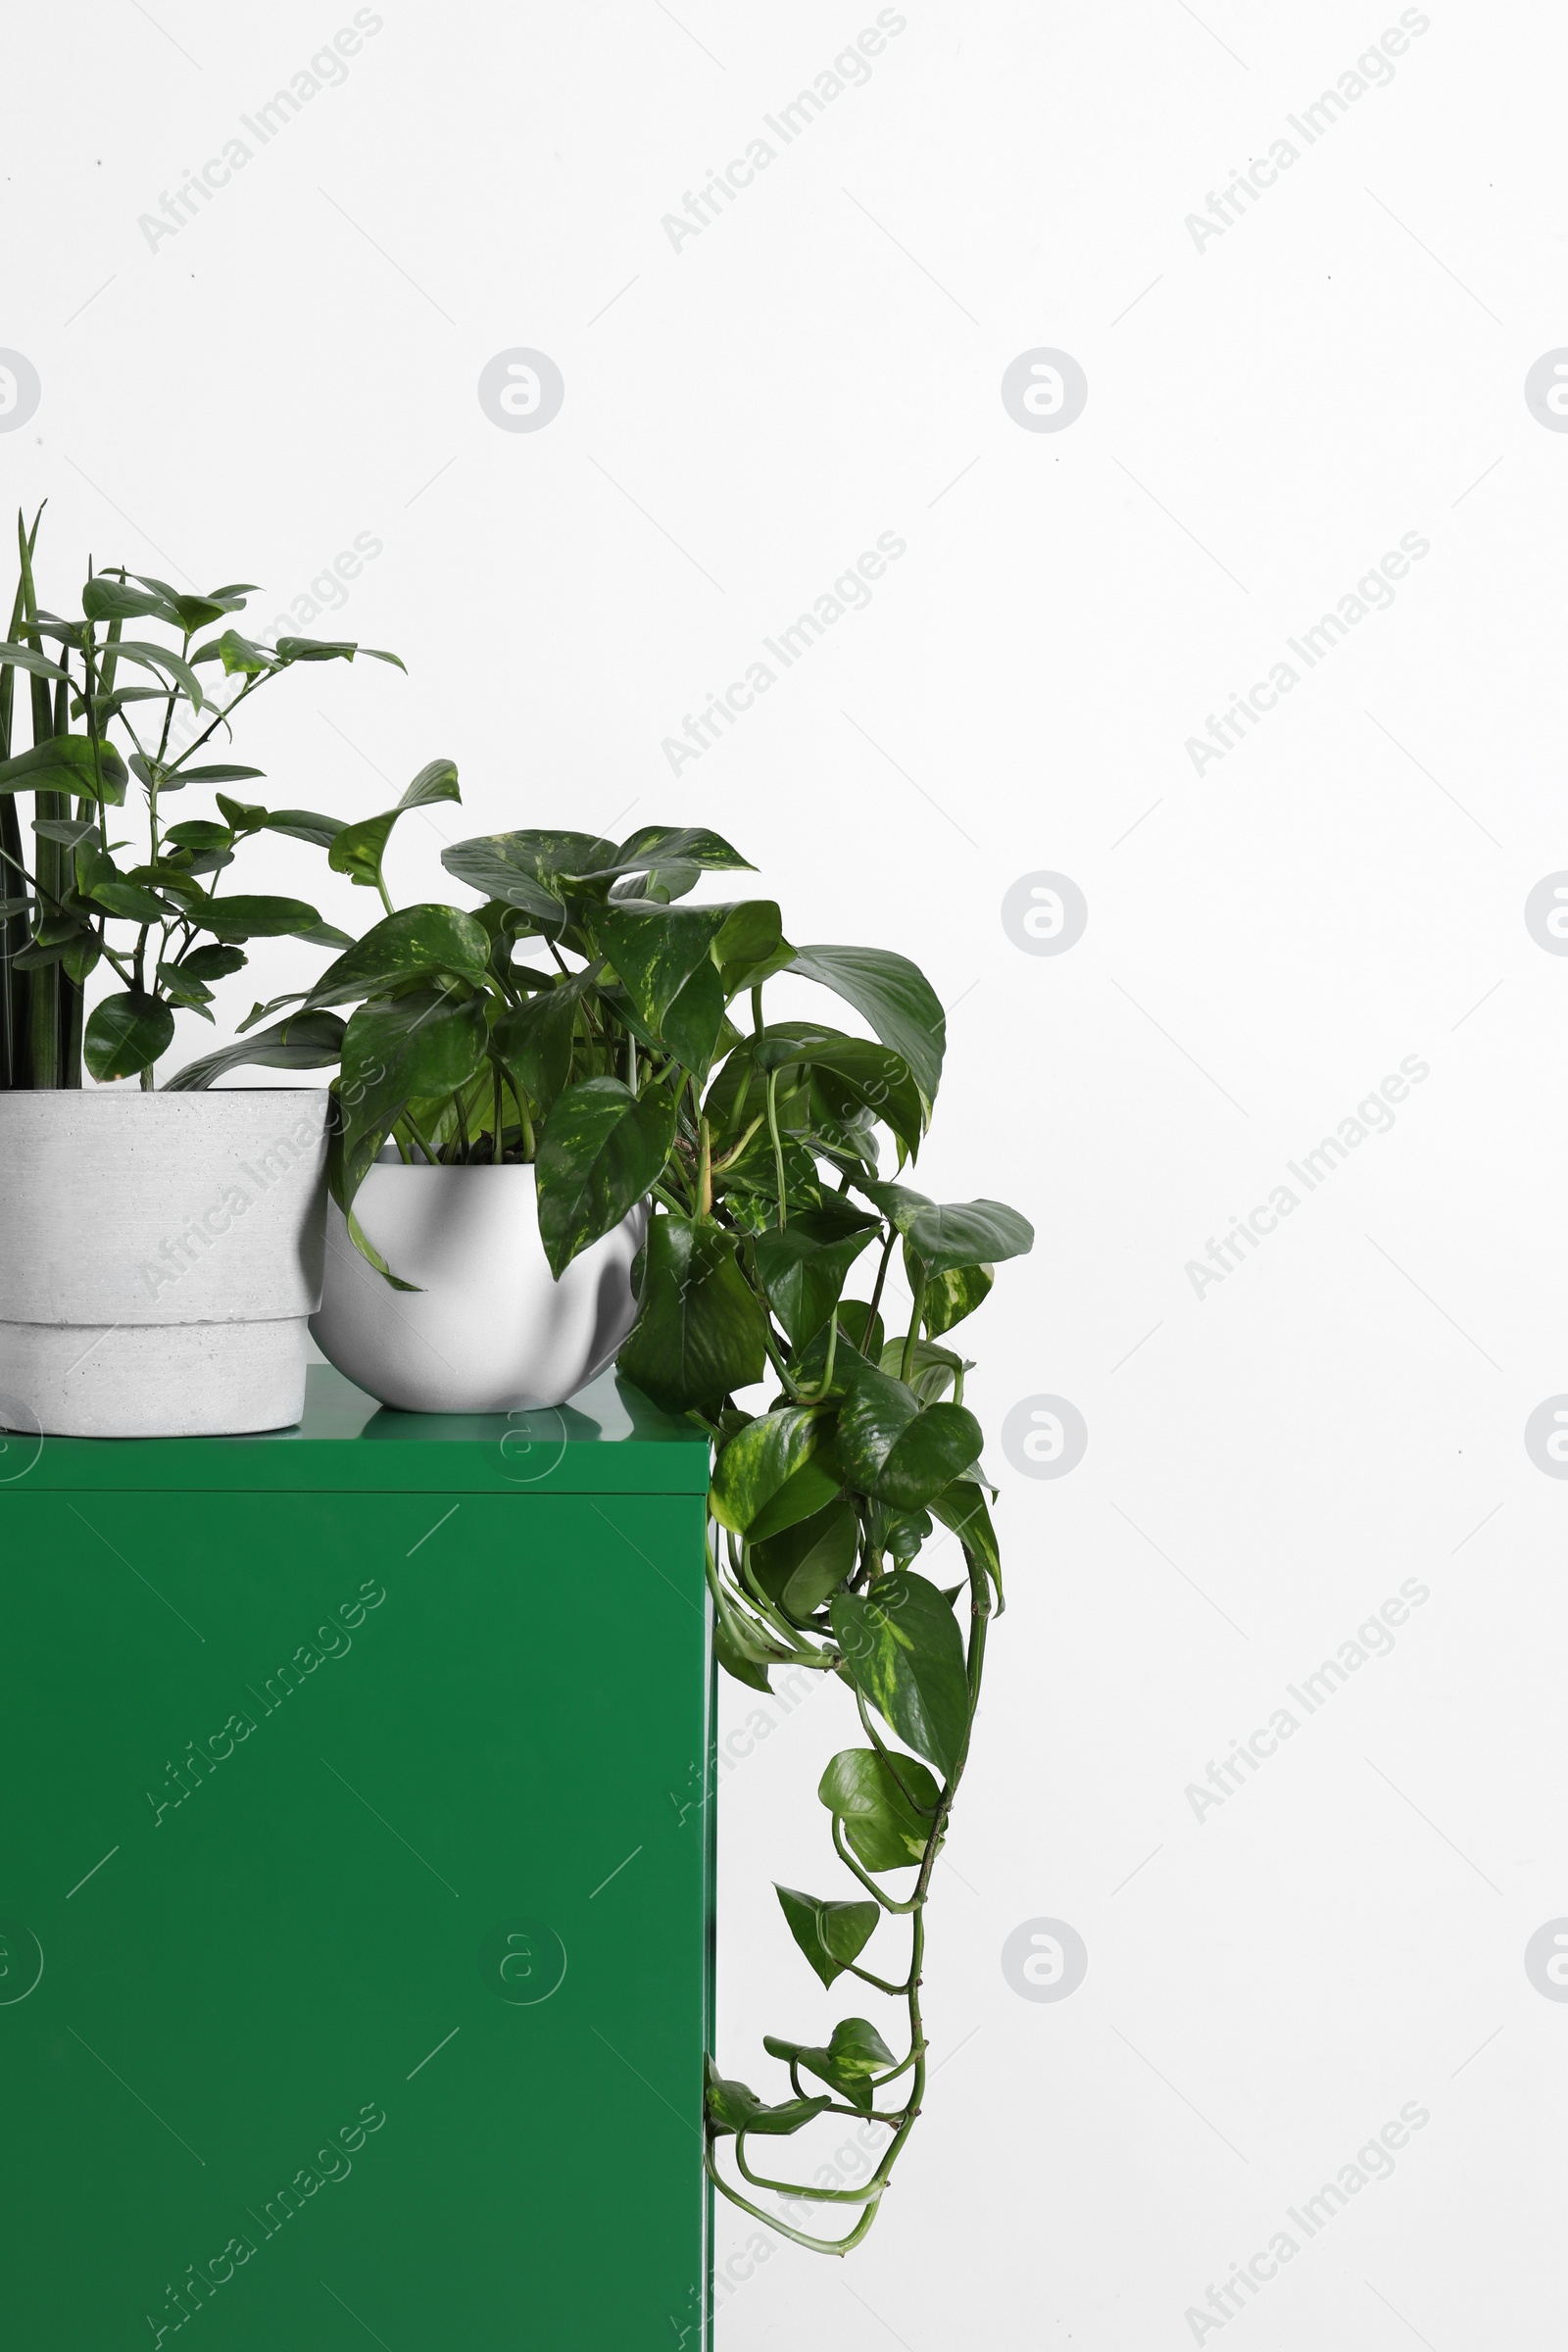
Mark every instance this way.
x=609 y=1440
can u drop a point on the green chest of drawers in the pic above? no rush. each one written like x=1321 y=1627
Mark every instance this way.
x=356 y=1884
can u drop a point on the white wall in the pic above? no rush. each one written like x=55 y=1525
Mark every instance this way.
x=1269 y=410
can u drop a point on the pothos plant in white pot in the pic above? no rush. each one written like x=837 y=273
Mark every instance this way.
x=607 y=1092
x=163 y=1249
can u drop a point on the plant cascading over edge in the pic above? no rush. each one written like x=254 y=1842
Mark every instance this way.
x=616 y=1066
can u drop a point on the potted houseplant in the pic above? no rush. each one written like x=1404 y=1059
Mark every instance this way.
x=616 y=1075
x=163 y=1249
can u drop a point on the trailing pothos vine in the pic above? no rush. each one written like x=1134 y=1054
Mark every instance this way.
x=638 y=1060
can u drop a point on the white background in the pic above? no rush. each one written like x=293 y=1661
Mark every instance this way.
x=1268 y=414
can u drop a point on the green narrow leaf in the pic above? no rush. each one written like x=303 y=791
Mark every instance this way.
x=311 y=1041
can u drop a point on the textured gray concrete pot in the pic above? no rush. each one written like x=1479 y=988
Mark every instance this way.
x=159 y=1257
x=488 y=1329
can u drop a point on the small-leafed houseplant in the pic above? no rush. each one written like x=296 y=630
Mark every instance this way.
x=162 y=1254
x=631 y=1059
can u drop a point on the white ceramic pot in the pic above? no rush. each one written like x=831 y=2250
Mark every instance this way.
x=159 y=1257
x=489 y=1330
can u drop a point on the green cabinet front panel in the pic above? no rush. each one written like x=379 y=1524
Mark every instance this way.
x=355 y=1907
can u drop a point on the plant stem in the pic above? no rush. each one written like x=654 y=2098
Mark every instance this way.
x=778 y=1149
x=907 y=1366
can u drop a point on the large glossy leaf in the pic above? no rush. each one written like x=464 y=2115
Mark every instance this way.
x=311 y=1041
x=428 y=1041
x=358 y=849
x=525 y=869
x=832 y=1936
x=804 y=1268
x=887 y=1805
x=854 y=1077
x=904 y=1651
x=809 y=1489
x=967 y=1233
x=893 y=996
x=600 y=1151
x=655 y=951
x=802 y=1566
x=736 y=2107
x=534 y=1038
x=855 y=2052
x=948 y=1297
x=668 y=844
x=417 y=943
x=700 y=1331
x=125 y=1034
x=900 y=1450
x=859 y=1342
x=759 y=1459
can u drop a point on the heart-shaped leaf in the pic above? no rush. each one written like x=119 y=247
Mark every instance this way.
x=735 y=2107
x=948 y=1297
x=600 y=1151
x=417 y=943
x=804 y=1269
x=887 y=1804
x=700 y=1330
x=807 y=1562
x=895 y=997
x=832 y=1936
x=904 y=1649
x=900 y=1450
x=967 y=1233
x=855 y=2052
x=760 y=1459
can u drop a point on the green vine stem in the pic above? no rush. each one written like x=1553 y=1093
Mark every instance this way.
x=913 y=2064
